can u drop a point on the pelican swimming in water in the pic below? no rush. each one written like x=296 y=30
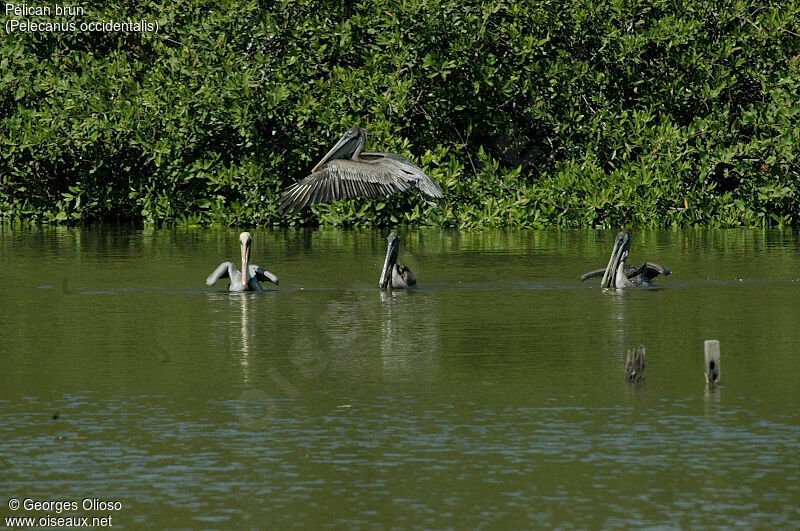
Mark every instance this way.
x=253 y=275
x=394 y=275
x=618 y=274
x=362 y=175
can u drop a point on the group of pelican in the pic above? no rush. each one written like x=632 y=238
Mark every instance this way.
x=393 y=275
x=616 y=275
x=367 y=174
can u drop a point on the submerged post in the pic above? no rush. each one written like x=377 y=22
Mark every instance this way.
x=712 y=362
x=635 y=366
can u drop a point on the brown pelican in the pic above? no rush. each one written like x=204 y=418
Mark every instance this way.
x=618 y=274
x=363 y=175
x=253 y=275
x=394 y=275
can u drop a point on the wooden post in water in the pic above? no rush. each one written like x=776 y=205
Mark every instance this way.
x=712 y=362
x=634 y=366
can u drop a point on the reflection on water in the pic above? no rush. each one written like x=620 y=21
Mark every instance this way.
x=245 y=316
x=409 y=331
x=493 y=395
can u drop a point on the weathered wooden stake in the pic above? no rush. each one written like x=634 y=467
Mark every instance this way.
x=712 y=362
x=634 y=365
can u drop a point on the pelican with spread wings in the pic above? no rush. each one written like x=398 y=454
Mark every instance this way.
x=364 y=174
x=249 y=278
x=394 y=275
x=618 y=274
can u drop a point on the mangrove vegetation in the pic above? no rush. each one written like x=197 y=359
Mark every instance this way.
x=572 y=113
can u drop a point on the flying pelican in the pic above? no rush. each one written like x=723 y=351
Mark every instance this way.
x=618 y=274
x=394 y=275
x=253 y=277
x=363 y=175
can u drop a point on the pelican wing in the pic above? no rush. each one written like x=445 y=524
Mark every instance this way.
x=591 y=274
x=410 y=172
x=344 y=178
x=262 y=274
x=225 y=270
x=650 y=270
x=407 y=276
x=370 y=156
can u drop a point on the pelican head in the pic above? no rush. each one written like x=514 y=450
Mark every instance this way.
x=347 y=145
x=391 y=259
x=622 y=246
x=245 y=240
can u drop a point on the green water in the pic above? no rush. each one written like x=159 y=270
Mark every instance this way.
x=492 y=396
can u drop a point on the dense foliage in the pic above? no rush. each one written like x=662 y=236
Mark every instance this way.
x=529 y=114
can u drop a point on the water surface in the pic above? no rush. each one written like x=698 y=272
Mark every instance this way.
x=492 y=396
